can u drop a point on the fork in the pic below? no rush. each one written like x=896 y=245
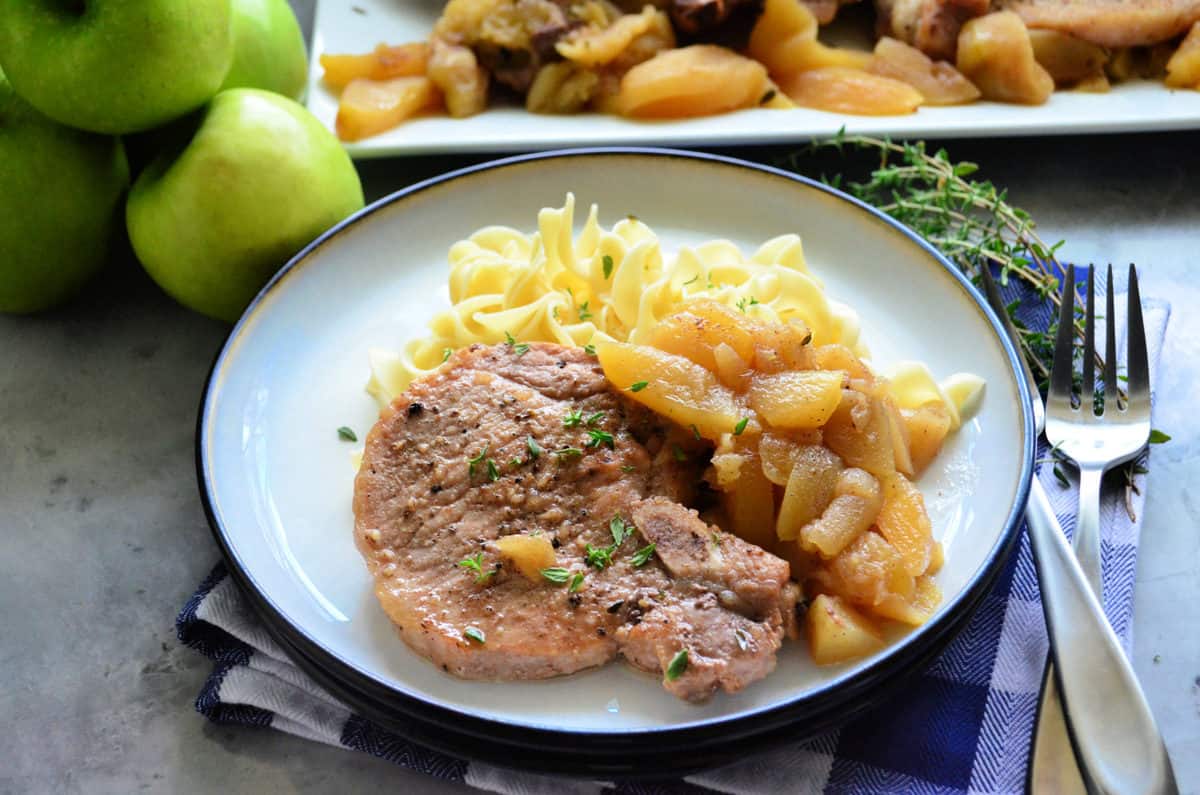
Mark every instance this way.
x=1117 y=745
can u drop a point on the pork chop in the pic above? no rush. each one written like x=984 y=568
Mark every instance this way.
x=1109 y=23
x=537 y=422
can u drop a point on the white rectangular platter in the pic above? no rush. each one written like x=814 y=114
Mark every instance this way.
x=355 y=26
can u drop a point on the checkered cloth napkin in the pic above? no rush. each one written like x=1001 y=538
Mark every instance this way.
x=962 y=726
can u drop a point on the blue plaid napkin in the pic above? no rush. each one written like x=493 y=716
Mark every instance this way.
x=962 y=726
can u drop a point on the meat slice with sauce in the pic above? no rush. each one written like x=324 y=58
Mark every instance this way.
x=1109 y=23
x=559 y=454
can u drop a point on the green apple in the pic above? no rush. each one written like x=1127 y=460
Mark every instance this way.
x=214 y=217
x=61 y=190
x=116 y=66
x=268 y=48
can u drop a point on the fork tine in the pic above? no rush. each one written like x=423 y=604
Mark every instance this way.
x=1111 y=390
x=1087 y=394
x=1137 y=363
x=1064 y=345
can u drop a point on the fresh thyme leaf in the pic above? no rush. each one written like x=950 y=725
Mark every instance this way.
x=598 y=556
x=576 y=582
x=678 y=453
x=556 y=574
x=691 y=280
x=620 y=530
x=477 y=460
x=1158 y=437
x=347 y=434
x=594 y=419
x=629 y=468
x=642 y=555
x=597 y=437
x=584 y=314
x=475 y=563
x=638 y=386
x=608 y=265
x=589 y=349
x=475 y=634
x=519 y=348
x=516 y=462
x=741 y=426
x=1061 y=477
x=573 y=418
x=745 y=302
x=678 y=665
x=695 y=432
x=567 y=452
x=493 y=471
x=446 y=354
x=535 y=450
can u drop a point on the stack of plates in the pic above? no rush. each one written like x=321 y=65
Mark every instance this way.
x=277 y=481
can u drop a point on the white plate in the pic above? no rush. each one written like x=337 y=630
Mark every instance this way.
x=1136 y=106
x=279 y=480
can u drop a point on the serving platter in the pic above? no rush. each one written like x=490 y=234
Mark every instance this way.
x=348 y=27
x=277 y=481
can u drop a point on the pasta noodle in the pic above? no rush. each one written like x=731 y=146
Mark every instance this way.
x=617 y=284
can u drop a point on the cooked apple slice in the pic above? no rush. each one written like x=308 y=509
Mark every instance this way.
x=939 y=82
x=810 y=487
x=797 y=399
x=384 y=63
x=368 y=107
x=528 y=554
x=675 y=387
x=700 y=80
x=839 y=633
x=840 y=89
x=904 y=523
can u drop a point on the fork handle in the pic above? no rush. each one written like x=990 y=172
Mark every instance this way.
x=1117 y=743
x=1052 y=765
x=1087 y=529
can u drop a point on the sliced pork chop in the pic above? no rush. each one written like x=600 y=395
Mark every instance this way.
x=1110 y=23
x=421 y=508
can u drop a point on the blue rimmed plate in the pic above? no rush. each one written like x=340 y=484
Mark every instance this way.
x=277 y=481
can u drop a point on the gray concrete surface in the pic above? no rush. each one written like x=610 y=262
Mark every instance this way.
x=102 y=535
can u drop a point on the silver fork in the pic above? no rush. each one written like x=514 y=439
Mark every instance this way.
x=1097 y=442
x=1117 y=745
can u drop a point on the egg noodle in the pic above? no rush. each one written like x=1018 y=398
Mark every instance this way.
x=616 y=285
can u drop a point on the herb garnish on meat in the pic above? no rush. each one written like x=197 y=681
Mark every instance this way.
x=678 y=665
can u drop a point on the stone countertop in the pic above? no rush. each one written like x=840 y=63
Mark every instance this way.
x=103 y=537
